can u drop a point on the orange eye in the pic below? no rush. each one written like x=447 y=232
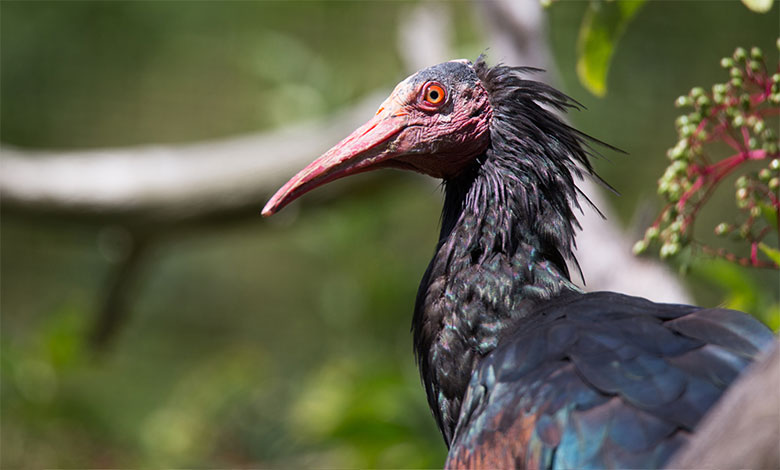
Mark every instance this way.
x=434 y=93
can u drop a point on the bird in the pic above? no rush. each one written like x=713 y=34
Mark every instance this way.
x=521 y=367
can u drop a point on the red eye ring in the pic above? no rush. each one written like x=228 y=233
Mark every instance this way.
x=434 y=94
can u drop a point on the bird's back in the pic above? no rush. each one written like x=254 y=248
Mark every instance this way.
x=600 y=380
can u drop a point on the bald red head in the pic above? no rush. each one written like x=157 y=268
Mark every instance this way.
x=435 y=122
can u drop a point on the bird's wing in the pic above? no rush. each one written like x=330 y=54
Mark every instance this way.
x=601 y=380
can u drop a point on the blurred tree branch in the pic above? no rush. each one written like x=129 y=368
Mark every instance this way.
x=168 y=184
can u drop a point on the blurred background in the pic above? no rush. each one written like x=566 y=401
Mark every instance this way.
x=218 y=339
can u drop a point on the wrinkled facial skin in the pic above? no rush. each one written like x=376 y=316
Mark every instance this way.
x=435 y=122
x=440 y=141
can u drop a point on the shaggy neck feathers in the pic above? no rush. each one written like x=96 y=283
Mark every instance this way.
x=507 y=230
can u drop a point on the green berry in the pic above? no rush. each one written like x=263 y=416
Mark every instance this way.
x=727 y=62
x=679 y=167
x=740 y=54
x=682 y=101
x=756 y=53
x=723 y=229
x=677 y=152
x=651 y=233
x=669 y=249
x=742 y=197
x=675 y=191
x=696 y=92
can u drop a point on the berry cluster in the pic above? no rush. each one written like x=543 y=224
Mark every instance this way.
x=742 y=115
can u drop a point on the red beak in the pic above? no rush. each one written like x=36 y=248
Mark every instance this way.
x=362 y=150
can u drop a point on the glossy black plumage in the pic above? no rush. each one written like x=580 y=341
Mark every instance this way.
x=520 y=367
x=600 y=380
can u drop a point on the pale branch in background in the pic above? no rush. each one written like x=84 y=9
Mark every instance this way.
x=167 y=184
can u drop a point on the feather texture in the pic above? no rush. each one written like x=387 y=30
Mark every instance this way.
x=521 y=368
x=599 y=380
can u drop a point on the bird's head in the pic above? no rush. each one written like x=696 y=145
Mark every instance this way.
x=434 y=122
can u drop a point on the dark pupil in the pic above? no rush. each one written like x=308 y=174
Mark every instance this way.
x=434 y=95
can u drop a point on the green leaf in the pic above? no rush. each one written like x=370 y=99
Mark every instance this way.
x=741 y=293
x=759 y=6
x=772 y=253
x=602 y=26
x=769 y=213
x=772 y=317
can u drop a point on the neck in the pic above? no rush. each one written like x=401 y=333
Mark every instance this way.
x=493 y=263
x=507 y=230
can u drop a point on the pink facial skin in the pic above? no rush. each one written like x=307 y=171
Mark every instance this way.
x=408 y=132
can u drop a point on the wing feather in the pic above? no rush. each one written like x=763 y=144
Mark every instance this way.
x=602 y=380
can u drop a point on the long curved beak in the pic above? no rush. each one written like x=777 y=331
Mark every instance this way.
x=361 y=151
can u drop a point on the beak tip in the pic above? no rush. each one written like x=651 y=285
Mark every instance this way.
x=268 y=210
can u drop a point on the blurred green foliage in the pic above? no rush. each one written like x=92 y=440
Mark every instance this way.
x=281 y=343
x=253 y=345
x=602 y=26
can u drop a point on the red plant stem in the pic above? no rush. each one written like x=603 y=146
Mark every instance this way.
x=744 y=261
x=729 y=139
x=712 y=175
x=719 y=170
x=745 y=136
x=690 y=192
x=768 y=193
x=763 y=233
x=754 y=253
x=657 y=222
